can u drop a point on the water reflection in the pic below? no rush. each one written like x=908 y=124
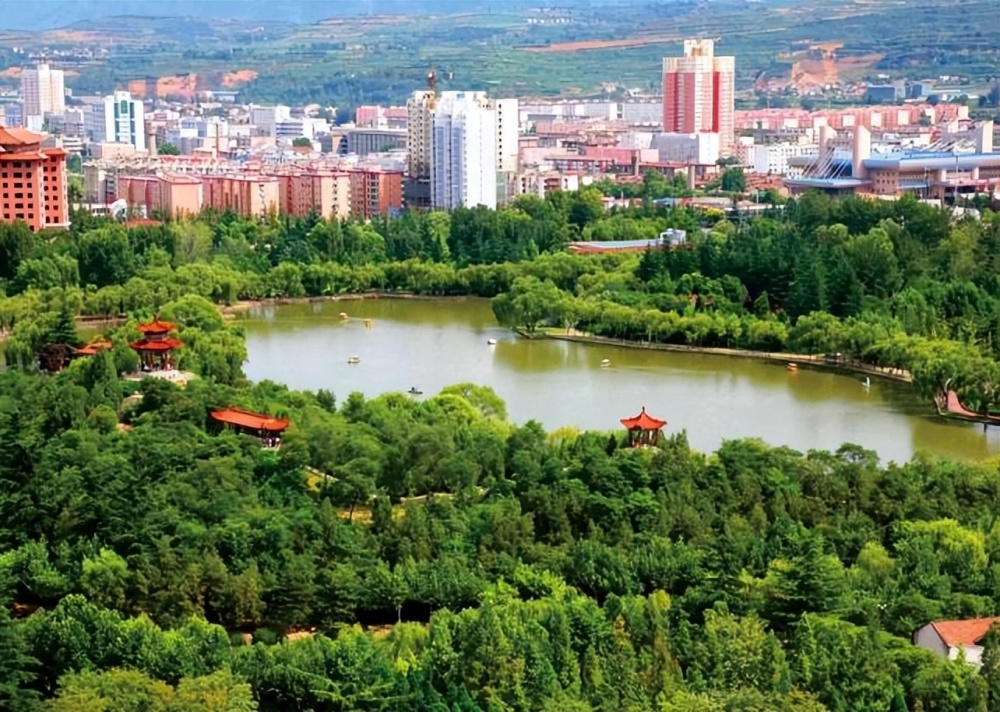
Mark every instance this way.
x=429 y=344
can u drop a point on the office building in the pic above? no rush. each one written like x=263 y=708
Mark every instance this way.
x=123 y=120
x=698 y=93
x=464 y=166
x=43 y=91
x=32 y=181
x=365 y=140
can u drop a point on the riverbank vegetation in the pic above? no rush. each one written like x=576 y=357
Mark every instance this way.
x=890 y=284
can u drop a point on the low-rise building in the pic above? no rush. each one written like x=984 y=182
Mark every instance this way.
x=375 y=192
x=249 y=195
x=952 y=639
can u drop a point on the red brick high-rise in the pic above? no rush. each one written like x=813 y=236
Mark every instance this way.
x=32 y=181
x=699 y=92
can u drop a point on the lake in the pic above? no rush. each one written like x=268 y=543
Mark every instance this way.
x=432 y=343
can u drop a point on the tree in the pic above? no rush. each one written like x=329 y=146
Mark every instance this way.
x=990 y=669
x=301 y=141
x=15 y=662
x=168 y=149
x=734 y=180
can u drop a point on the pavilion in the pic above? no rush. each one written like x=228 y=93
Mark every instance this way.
x=155 y=346
x=260 y=425
x=94 y=347
x=643 y=429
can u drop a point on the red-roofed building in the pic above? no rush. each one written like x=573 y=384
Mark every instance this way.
x=261 y=425
x=950 y=638
x=156 y=346
x=643 y=429
x=32 y=181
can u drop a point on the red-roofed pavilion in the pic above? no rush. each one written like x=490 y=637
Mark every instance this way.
x=155 y=347
x=266 y=427
x=643 y=429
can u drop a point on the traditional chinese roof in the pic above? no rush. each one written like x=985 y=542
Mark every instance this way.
x=960 y=634
x=18 y=137
x=643 y=421
x=156 y=327
x=249 y=419
x=94 y=347
x=165 y=344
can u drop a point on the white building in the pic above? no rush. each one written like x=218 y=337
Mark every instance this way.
x=772 y=158
x=700 y=148
x=267 y=118
x=43 y=91
x=123 y=120
x=950 y=639
x=464 y=156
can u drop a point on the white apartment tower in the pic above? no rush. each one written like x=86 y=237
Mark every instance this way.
x=124 y=120
x=464 y=162
x=43 y=91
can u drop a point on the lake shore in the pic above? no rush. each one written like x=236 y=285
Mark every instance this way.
x=816 y=361
x=245 y=305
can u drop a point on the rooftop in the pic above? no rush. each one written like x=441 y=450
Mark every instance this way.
x=643 y=421
x=248 y=419
x=958 y=634
x=18 y=137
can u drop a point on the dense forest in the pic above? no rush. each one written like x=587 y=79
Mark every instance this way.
x=397 y=554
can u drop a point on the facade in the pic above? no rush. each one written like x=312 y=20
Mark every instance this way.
x=124 y=120
x=248 y=195
x=365 y=141
x=508 y=118
x=375 y=193
x=464 y=151
x=772 y=158
x=419 y=131
x=43 y=91
x=692 y=148
x=950 y=639
x=699 y=92
x=32 y=181
x=170 y=195
x=327 y=193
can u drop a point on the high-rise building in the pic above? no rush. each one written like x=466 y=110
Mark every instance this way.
x=508 y=117
x=464 y=163
x=375 y=192
x=419 y=131
x=124 y=120
x=32 y=181
x=43 y=91
x=698 y=93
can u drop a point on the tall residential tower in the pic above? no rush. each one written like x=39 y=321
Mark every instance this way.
x=43 y=92
x=464 y=163
x=698 y=93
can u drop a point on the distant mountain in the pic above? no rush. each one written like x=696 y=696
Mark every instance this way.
x=51 y=14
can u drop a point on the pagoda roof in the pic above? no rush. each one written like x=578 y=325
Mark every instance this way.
x=155 y=344
x=248 y=419
x=643 y=421
x=156 y=327
x=94 y=347
x=18 y=137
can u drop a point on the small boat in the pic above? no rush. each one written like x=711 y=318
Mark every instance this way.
x=792 y=366
x=414 y=392
x=353 y=359
x=343 y=316
x=491 y=342
x=867 y=383
x=606 y=362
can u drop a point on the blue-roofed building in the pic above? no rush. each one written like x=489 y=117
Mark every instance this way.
x=934 y=174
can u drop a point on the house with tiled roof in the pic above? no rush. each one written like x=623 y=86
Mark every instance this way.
x=949 y=639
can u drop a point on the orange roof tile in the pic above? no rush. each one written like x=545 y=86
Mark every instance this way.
x=156 y=327
x=157 y=345
x=958 y=634
x=643 y=421
x=18 y=137
x=249 y=419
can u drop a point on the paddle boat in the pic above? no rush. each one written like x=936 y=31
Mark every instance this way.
x=353 y=359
